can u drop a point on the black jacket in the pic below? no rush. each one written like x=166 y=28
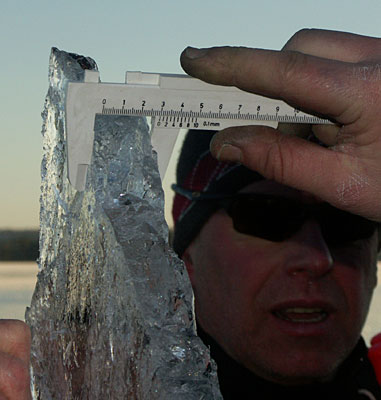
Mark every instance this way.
x=355 y=380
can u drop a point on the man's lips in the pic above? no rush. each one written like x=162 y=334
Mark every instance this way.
x=302 y=311
x=300 y=314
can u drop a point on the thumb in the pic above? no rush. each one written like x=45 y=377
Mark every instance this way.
x=333 y=176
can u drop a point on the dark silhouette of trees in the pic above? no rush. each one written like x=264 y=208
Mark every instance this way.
x=18 y=245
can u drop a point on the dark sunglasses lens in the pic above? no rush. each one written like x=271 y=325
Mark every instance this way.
x=269 y=218
x=340 y=227
x=277 y=219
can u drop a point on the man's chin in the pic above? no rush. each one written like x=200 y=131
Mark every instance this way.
x=304 y=378
x=297 y=372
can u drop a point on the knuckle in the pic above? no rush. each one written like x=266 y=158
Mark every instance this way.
x=239 y=64
x=274 y=161
x=281 y=163
x=299 y=39
x=290 y=71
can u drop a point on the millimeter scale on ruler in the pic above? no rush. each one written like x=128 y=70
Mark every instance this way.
x=173 y=102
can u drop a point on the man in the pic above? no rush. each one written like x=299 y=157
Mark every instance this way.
x=337 y=75
x=282 y=281
x=329 y=73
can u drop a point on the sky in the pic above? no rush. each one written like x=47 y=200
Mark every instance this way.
x=123 y=35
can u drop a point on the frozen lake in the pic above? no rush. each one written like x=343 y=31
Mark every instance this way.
x=17 y=281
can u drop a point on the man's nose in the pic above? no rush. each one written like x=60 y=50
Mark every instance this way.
x=309 y=253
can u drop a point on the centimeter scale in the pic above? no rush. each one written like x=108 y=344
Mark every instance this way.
x=173 y=102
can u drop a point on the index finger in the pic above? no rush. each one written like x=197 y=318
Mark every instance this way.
x=314 y=84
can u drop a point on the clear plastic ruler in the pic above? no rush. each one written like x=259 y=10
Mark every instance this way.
x=173 y=102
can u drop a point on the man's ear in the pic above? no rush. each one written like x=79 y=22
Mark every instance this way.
x=187 y=258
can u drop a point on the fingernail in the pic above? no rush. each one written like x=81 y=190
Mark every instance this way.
x=229 y=152
x=193 y=53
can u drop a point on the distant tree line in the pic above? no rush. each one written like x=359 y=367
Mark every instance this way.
x=23 y=245
x=18 y=245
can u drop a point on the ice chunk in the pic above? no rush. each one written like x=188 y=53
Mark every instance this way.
x=112 y=314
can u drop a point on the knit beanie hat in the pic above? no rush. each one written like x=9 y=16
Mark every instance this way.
x=200 y=173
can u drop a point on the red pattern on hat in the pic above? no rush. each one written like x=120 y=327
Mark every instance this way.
x=206 y=170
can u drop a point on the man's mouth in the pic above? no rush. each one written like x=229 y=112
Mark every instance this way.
x=302 y=314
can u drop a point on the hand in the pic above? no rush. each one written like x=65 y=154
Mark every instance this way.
x=14 y=360
x=326 y=73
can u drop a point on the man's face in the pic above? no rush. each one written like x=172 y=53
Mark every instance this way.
x=290 y=311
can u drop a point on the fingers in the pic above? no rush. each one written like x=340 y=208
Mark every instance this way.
x=332 y=176
x=273 y=154
x=334 y=45
x=340 y=46
x=332 y=74
x=313 y=84
x=15 y=342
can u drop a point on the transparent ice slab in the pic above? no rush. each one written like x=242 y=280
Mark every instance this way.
x=112 y=313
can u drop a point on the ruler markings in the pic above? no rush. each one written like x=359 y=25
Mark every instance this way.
x=188 y=115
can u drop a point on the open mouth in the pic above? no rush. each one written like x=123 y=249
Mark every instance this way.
x=302 y=314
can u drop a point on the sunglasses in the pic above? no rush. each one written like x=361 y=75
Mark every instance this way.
x=277 y=218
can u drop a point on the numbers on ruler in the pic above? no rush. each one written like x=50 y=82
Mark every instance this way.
x=202 y=106
x=180 y=124
x=205 y=108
